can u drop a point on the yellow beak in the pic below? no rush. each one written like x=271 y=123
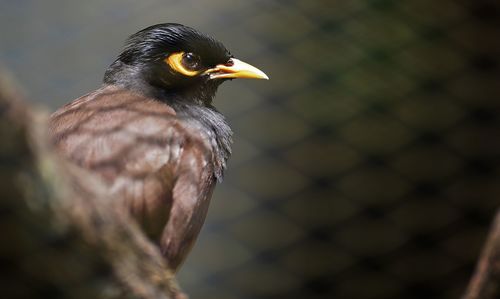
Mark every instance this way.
x=236 y=68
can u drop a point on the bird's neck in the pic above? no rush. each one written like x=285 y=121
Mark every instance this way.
x=138 y=79
x=129 y=77
x=212 y=124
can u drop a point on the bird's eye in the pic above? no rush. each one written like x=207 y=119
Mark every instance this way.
x=191 y=61
x=188 y=64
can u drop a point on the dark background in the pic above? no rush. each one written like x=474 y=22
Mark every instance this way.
x=367 y=167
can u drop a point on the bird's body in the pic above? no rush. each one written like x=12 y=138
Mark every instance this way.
x=152 y=135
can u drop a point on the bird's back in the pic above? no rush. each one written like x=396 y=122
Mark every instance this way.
x=134 y=144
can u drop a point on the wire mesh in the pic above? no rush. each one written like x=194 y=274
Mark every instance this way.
x=367 y=167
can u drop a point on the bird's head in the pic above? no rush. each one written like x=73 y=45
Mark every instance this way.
x=170 y=59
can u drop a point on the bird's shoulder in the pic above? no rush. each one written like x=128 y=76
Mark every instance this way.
x=118 y=132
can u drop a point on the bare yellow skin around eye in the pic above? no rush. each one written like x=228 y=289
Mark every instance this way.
x=175 y=62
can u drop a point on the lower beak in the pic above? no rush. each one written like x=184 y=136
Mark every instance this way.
x=236 y=68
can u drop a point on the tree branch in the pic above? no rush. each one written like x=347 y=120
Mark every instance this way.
x=61 y=236
x=486 y=279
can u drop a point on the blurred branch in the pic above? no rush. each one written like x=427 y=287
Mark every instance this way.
x=61 y=236
x=485 y=282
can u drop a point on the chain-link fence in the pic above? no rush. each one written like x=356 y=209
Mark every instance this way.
x=367 y=167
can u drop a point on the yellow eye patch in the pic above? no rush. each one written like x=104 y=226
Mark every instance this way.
x=175 y=61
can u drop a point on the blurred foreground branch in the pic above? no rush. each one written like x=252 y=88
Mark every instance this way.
x=60 y=236
x=485 y=284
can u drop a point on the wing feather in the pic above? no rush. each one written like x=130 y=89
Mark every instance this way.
x=135 y=144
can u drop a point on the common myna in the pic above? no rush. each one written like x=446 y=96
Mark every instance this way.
x=151 y=133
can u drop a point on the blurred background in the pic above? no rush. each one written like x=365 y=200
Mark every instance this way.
x=367 y=167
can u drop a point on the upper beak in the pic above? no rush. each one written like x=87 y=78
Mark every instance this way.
x=236 y=68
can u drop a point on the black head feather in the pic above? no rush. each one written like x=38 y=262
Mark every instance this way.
x=156 y=42
x=141 y=65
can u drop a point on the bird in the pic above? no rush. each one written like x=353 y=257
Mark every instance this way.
x=151 y=133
